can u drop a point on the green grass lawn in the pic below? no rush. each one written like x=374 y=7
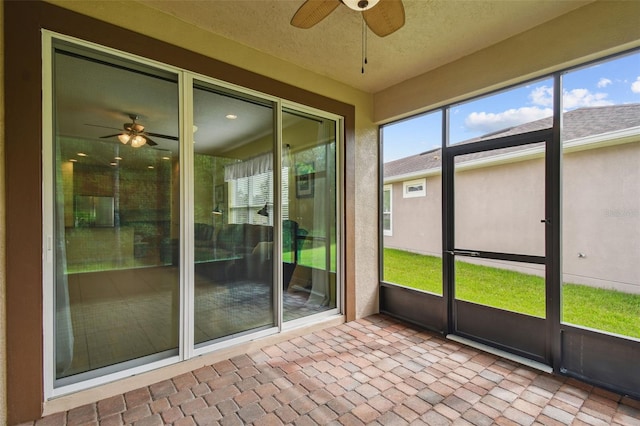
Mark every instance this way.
x=316 y=257
x=607 y=310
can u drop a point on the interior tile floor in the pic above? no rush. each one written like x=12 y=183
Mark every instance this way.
x=374 y=371
x=118 y=315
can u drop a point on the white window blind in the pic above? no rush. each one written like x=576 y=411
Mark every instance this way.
x=250 y=194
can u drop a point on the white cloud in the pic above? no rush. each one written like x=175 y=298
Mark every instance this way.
x=576 y=98
x=604 y=82
x=542 y=96
x=635 y=86
x=542 y=100
x=489 y=122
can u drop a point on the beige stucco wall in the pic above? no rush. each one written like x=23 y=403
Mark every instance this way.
x=499 y=208
x=601 y=217
x=417 y=222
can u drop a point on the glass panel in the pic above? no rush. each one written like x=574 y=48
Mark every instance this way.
x=233 y=213
x=499 y=205
x=601 y=197
x=412 y=168
x=309 y=233
x=519 y=110
x=116 y=297
x=500 y=200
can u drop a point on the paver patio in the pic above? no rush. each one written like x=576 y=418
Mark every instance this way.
x=376 y=370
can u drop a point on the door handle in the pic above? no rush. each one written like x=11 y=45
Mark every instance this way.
x=547 y=221
x=463 y=253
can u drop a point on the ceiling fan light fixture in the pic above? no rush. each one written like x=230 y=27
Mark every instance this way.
x=135 y=133
x=360 y=5
x=137 y=141
x=124 y=138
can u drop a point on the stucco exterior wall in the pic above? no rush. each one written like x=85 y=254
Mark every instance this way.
x=417 y=221
x=601 y=218
x=499 y=208
x=366 y=221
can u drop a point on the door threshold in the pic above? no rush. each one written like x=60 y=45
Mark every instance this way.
x=504 y=354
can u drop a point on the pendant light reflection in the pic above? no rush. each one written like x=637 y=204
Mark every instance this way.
x=136 y=141
x=124 y=138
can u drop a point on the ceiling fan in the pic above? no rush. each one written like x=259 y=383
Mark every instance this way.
x=135 y=134
x=383 y=17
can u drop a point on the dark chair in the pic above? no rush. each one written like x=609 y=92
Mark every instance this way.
x=292 y=242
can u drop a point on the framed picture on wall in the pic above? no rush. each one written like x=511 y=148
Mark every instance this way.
x=219 y=194
x=304 y=180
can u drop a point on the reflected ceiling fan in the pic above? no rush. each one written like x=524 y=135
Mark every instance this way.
x=134 y=134
x=383 y=17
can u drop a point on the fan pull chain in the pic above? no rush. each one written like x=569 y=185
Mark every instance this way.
x=364 y=44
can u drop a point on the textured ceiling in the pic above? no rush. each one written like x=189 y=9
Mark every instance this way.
x=436 y=32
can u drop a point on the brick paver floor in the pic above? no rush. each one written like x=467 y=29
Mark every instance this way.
x=376 y=371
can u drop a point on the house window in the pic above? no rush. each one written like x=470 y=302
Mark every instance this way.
x=248 y=196
x=386 y=210
x=251 y=198
x=414 y=188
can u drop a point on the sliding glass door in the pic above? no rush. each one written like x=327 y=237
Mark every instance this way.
x=116 y=160
x=309 y=213
x=183 y=214
x=234 y=140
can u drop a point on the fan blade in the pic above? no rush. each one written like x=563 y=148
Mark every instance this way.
x=102 y=127
x=110 y=136
x=149 y=141
x=386 y=17
x=158 y=135
x=313 y=11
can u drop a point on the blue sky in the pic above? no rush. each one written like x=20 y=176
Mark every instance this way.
x=608 y=83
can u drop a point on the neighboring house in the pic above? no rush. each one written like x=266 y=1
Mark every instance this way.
x=601 y=152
